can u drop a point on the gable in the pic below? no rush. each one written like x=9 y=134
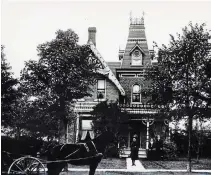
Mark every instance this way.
x=137 y=46
x=106 y=71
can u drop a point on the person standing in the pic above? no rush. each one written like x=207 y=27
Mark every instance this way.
x=159 y=147
x=134 y=149
x=151 y=153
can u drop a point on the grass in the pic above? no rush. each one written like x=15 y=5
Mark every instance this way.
x=181 y=164
x=109 y=163
x=132 y=173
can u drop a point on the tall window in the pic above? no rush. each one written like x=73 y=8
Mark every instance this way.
x=136 y=93
x=86 y=130
x=101 y=89
x=86 y=125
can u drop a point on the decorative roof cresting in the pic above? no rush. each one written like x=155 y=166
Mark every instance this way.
x=136 y=21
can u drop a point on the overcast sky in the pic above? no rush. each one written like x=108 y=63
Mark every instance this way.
x=25 y=24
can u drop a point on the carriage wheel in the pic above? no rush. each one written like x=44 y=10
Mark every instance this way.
x=28 y=166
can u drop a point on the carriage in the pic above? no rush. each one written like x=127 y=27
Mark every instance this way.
x=20 y=156
x=55 y=159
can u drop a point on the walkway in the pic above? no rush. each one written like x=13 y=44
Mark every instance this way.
x=138 y=167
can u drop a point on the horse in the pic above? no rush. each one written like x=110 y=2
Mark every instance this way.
x=89 y=153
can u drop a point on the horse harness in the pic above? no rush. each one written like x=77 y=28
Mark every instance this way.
x=89 y=147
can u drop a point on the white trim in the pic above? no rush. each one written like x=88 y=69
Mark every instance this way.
x=143 y=39
x=82 y=99
x=123 y=71
x=111 y=76
x=137 y=46
x=128 y=75
x=136 y=41
x=96 y=100
x=77 y=128
x=137 y=30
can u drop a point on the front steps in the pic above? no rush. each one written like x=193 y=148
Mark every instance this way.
x=125 y=152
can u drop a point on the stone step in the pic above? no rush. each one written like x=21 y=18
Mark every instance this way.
x=125 y=152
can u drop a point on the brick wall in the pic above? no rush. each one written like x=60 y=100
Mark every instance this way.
x=112 y=93
x=128 y=82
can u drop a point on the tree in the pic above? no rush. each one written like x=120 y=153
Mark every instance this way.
x=64 y=72
x=181 y=81
x=8 y=91
x=108 y=116
x=200 y=133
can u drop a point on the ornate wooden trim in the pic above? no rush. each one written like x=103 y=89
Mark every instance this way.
x=106 y=70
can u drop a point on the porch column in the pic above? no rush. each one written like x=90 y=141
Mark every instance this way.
x=167 y=123
x=128 y=144
x=147 y=140
x=77 y=128
x=67 y=134
x=140 y=139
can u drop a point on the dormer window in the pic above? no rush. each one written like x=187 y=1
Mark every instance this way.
x=136 y=53
x=136 y=58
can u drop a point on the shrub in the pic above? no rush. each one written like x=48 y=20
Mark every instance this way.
x=170 y=151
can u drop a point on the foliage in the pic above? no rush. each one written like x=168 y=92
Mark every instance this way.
x=180 y=138
x=63 y=73
x=182 y=78
x=8 y=91
x=170 y=151
x=182 y=81
x=108 y=116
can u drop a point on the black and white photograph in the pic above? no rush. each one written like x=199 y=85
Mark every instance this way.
x=105 y=87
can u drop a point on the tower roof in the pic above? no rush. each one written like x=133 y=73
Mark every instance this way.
x=136 y=38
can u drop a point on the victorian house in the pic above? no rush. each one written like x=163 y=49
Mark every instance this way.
x=123 y=81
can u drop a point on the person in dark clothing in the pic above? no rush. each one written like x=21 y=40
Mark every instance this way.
x=151 y=151
x=159 y=147
x=134 y=150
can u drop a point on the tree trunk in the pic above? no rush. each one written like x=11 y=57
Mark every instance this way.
x=65 y=130
x=190 y=121
x=63 y=118
x=198 y=152
x=18 y=133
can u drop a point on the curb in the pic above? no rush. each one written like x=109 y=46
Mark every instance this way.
x=149 y=170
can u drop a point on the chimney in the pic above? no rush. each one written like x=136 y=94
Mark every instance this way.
x=92 y=35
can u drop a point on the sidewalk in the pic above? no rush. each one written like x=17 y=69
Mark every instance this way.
x=139 y=168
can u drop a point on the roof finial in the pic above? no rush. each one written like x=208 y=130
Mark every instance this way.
x=130 y=16
x=142 y=18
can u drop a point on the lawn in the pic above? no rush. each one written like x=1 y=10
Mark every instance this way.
x=109 y=163
x=181 y=164
x=132 y=173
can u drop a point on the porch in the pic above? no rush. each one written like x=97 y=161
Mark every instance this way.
x=146 y=124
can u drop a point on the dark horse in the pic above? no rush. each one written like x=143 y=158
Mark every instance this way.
x=89 y=153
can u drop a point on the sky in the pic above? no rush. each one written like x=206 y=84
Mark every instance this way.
x=26 y=24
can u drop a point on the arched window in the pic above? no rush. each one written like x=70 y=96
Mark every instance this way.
x=137 y=58
x=136 y=93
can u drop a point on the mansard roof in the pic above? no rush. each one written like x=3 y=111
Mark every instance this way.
x=136 y=36
x=106 y=71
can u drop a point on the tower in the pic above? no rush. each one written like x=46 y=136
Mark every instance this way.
x=136 y=53
x=134 y=60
